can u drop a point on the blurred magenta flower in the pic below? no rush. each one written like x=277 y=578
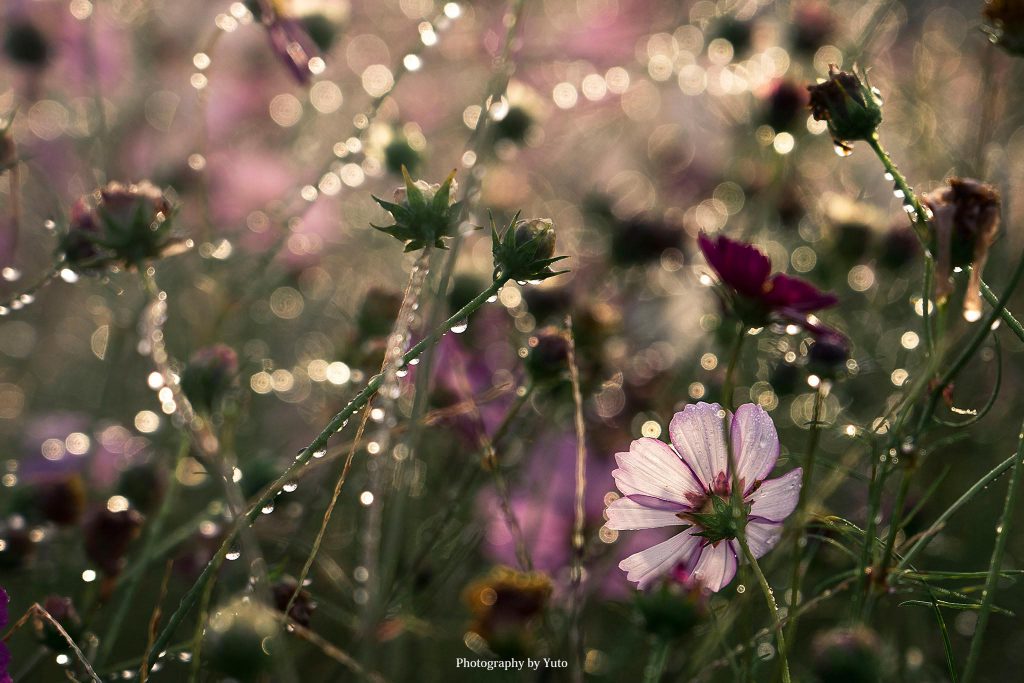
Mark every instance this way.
x=689 y=484
x=289 y=40
x=756 y=298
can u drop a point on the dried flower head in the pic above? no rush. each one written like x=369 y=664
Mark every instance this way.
x=965 y=217
x=505 y=604
x=526 y=250
x=1006 y=27
x=851 y=109
x=424 y=214
x=120 y=225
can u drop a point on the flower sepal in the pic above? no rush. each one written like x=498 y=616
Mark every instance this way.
x=851 y=108
x=424 y=214
x=718 y=521
x=525 y=251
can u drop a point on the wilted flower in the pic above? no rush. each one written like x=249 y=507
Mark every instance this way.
x=424 y=213
x=5 y=654
x=852 y=109
x=241 y=639
x=526 y=250
x=107 y=535
x=505 y=604
x=120 y=225
x=1007 y=29
x=208 y=376
x=848 y=655
x=689 y=484
x=966 y=220
x=62 y=609
x=303 y=607
x=755 y=297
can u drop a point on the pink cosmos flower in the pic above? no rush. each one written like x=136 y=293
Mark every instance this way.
x=688 y=484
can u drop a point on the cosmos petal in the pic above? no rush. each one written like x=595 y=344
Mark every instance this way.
x=646 y=566
x=755 y=444
x=626 y=514
x=762 y=536
x=775 y=499
x=697 y=433
x=716 y=566
x=651 y=468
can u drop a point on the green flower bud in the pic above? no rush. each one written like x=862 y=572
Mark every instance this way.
x=526 y=251
x=851 y=109
x=208 y=376
x=424 y=213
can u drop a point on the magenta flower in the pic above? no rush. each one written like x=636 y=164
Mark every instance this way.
x=757 y=298
x=5 y=654
x=688 y=484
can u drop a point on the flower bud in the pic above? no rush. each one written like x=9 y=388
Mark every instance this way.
x=120 y=224
x=399 y=153
x=548 y=356
x=63 y=612
x=208 y=377
x=143 y=485
x=241 y=640
x=61 y=501
x=26 y=45
x=848 y=655
x=303 y=607
x=672 y=609
x=514 y=127
x=506 y=605
x=16 y=544
x=424 y=214
x=828 y=355
x=107 y=536
x=1006 y=29
x=852 y=109
x=784 y=105
x=965 y=217
x=526 y=251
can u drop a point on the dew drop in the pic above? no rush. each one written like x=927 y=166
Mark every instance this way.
x=321 y=453
x=842 y=149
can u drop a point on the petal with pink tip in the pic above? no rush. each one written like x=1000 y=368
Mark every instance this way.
x=625 y=514
x=775 y=499
x=646 y=566
x=716 y=566
x=697 y=433
x=651 y=468
x=755 y=444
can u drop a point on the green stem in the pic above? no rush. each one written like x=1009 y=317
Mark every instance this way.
x=734 y=359
x=800 y=537
x=967 y=496
x=773 y=608
x=1002 y=534
x=656 y=661
x=304 y=456
x=146 y=557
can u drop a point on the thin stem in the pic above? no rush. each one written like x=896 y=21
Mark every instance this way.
x=800 y=537
x=656 y=661
x=1002 y=534
x=734 y=358
x=576 y=627
x=773 y=608
x=967 y=496
x=334 y=426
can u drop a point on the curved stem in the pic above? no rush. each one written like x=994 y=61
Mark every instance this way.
x=991 y=581
x=334 y=426
x=773 y=608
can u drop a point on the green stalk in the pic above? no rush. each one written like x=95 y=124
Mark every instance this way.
x=799 y=538
x=304 y=456
x=656 y=661
x=1002 y=534
x=773 y=608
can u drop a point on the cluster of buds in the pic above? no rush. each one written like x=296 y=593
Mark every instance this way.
x=526 y=250
x=120 y=225
x=851 y=108
x=425 y=214
x=965 y=217
x=505 y=605
x=209 y=375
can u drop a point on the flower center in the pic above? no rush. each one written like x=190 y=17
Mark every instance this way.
x=718 y=519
